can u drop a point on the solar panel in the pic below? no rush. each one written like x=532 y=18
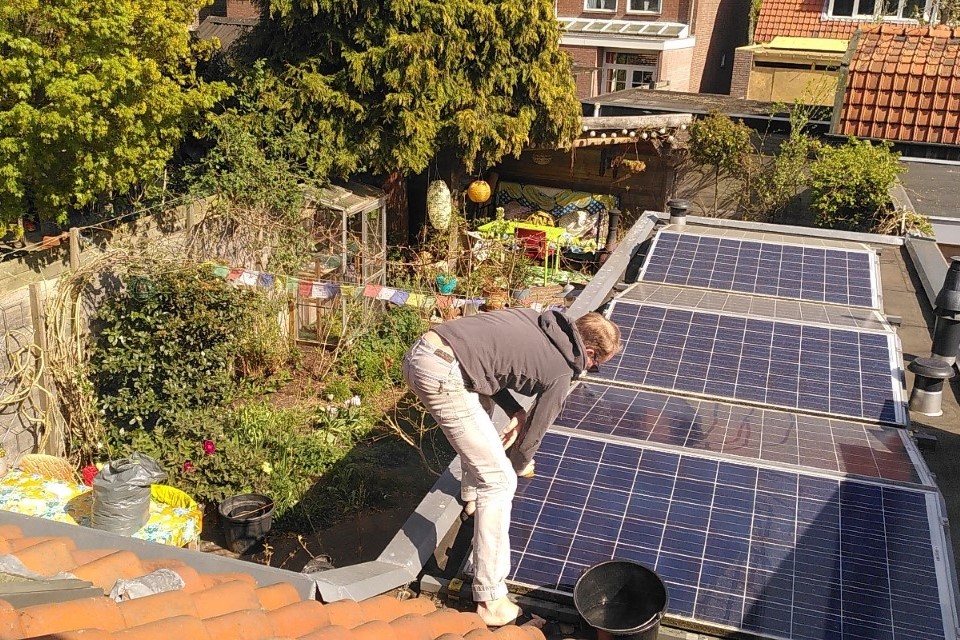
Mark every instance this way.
x=814 y=368
x=757 y=433
x=756 y=306
x=767 y=551
x=836 y=276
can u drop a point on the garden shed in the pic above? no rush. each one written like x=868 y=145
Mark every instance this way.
x=348 y=227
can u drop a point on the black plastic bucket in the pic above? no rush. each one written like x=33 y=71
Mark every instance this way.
x=621 y=599
x=246 y=519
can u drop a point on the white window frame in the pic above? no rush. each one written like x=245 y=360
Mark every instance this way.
x=658 y=10
x=878 y=12
x=587 y=7
x=609 y=68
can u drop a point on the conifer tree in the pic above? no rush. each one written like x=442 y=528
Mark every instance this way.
x=94 y=98
x=395 y=83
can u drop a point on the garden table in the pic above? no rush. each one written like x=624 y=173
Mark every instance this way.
x=35 y=495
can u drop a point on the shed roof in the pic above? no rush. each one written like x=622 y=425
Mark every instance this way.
x=903 y=84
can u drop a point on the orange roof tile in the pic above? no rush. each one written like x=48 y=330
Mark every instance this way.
x=228 y=606
x=800 y=19
x=919 y=80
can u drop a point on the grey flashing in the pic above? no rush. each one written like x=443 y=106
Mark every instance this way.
x=405 y=556
x=930 y=265
x=87 y=538
x=600 y=287
x=792 y=230
x=360 y=581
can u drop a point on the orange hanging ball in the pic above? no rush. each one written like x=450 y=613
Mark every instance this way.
x=478 y=191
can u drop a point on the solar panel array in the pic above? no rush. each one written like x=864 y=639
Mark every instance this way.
x=837 y=276
x=773 y=552
x=814 y=368
x=746 y=457
x=753 y=433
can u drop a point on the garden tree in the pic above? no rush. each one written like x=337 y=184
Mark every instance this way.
x=851 y=184
x=94 y=97
x=256 y=164
x=769 y=184
x=395 y=83
x=718 y=142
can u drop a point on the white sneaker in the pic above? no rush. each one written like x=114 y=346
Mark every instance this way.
x=527 y=471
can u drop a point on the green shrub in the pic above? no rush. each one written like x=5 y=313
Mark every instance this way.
x=215 y=453
x=373 y=360
x=851 y=184
x=165 y=345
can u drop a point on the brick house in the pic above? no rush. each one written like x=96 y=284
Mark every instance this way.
x=680 y=45
x=798 y=46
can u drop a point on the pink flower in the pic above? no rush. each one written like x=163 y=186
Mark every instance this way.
x=209 y=447
x=187 y=466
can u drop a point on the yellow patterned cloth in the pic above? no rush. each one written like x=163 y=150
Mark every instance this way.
x=34 y=495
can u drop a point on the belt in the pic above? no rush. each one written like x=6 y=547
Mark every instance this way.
x=441 y=349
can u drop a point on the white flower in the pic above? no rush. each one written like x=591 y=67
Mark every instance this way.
x=329 y=397
x=333 y=411
x=122 y=431
x=99 y=446
x=267 y=468
x=354 y=401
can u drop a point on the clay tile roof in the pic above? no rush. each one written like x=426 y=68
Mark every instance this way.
x=801 y=19
x=225 y=606
x=901 y=84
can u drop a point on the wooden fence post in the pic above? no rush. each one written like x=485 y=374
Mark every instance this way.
x=39 y=322
x=74 y=248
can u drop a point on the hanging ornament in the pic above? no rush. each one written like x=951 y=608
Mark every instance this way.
x=478 y=191
x=439 y=205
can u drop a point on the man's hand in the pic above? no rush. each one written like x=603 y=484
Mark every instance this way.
x=514 y=429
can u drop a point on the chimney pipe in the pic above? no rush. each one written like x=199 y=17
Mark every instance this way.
x=946 y=330
x=927 y=393
x=678 y=211
x=613 y=224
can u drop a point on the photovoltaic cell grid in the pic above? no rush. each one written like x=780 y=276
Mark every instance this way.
x=756 y=306
x=821 y=369
x=837 y=276
x=756 y=433
x=767 y=551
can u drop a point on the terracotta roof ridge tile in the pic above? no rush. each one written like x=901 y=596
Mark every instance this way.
x=225 y=598
x=48 y=557
x=299 y=618
x=157 y=606
x=330 y=632
x=179 y=627
x=248 y=624
x=57 y=617
x=277 y=595
x=104 y=572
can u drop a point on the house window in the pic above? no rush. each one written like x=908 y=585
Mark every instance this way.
x=644 y=6
x=628 y=70
x=600 y=5
x=880 y=9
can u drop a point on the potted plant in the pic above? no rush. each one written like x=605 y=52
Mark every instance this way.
x=518 y=276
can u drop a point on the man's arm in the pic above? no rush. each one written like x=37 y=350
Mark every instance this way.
x=540 y=416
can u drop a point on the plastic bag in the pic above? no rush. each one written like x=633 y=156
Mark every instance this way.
x=121 y=493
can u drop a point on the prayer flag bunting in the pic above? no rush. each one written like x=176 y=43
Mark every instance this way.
x=293 y=284
x=221 y=272
x=400 y=297
x=385 y=293
x=234 y=274
x=325 y=290
x=306 y=289
x=371 y=290
x=248 y=278
x=265 y=280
